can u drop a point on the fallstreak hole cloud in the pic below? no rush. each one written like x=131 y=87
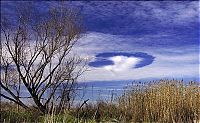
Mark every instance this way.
x=121 y=61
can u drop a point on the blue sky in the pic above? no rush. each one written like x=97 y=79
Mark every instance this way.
x=136 y=40
x=167 y=31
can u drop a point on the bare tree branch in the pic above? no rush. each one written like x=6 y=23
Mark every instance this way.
x=39 y=49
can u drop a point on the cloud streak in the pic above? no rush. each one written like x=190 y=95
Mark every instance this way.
x=167 y=30
x=170 y=60
x=140 y=17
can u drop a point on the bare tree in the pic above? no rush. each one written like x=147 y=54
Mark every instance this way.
x=36 y=55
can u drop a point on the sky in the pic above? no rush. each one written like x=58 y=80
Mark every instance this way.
x=135 y=40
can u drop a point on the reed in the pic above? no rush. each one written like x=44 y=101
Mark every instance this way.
x=170 y=101
x=162 y=101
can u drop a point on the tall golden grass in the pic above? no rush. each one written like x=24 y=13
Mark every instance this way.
x=168 y=101
x=162 y=101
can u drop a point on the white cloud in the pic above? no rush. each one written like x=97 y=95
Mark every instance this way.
x=122 y=63
x=170 y=60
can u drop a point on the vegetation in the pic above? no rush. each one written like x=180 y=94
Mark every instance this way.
x=36 y=55
x=156 y=101
x=162 y=101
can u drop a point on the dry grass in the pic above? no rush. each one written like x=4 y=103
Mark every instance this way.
x=169 y=101
x=162 y=101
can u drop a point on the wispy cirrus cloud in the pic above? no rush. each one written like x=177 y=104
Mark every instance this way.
x=171 y=59
x=129 y=17
x=166 y=30
x=139 y=17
